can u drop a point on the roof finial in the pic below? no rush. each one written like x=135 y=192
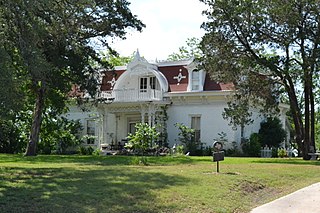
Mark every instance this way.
x=137 y=54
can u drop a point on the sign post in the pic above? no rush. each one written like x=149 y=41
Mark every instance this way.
x=218 y=154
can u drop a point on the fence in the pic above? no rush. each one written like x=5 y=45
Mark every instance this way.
x=266 y=152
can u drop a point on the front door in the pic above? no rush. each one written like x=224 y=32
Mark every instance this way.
x=132 y=127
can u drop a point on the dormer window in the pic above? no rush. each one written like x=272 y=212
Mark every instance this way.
x=195 y=80
x=143 y=84
x=153 y=82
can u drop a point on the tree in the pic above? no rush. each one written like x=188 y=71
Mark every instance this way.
x=267 y=48
x=271 y=132
x=191 y=50
x=51 y=45
x=116 y=60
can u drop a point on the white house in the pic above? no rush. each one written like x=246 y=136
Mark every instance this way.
x=163 y=92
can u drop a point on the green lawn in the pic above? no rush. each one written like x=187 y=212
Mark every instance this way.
x=167 y=184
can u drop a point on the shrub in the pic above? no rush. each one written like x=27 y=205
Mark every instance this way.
x=82 y=150
x=10 y=141
x=252 y=147
x=90 y=150
x=186 y=137
x=271 y=132
x=96 y=152
x=143 y=139
x=282 y=153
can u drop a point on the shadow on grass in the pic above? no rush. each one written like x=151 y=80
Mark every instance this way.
x=95 y=160
x=122 y=189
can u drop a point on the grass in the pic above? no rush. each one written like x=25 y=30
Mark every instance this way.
x=167 y=184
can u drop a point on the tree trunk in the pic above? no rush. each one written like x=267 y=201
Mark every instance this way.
x=296 y=115
x=36 y=123
x=312 y=119
x=306 y=140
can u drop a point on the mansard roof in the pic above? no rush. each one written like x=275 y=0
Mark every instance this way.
x=170 y=70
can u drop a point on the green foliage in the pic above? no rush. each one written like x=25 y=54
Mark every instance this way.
x=83 y=150
x=234 y=151
x=58 y=134
x=116 y=60
x=161 y=121
x=222 y=137
x=269 y=56
x=282 y=153
x=50 y=46
x=271 y=132
x=186 y=137
x=191 y=50
x=143 y=139
x=208 y=151
x=180 y=149
x=10 y=141
x=252 y=147
x=96 y=152
x=274 y=152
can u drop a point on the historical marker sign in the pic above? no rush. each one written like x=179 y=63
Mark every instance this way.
x=218 y=154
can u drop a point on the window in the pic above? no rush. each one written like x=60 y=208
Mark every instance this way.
x=153 y=82
x=143 y=84
x=195 y=80
x=195 y=124
x=90 y=131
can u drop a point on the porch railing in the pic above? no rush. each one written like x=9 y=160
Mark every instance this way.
x=132 y=95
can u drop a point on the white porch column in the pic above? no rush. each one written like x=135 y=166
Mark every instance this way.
x=105 y=125
x=100 y=125
x=143 y=112
x=150 y=115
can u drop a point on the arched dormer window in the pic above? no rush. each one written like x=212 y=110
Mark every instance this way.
x=196 y=78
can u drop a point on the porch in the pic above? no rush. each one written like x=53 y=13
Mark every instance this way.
x=119 y=119
x=132 y=95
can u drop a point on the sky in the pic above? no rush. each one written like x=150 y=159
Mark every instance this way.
x=168 y=25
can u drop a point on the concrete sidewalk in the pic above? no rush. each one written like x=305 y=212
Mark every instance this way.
x=302 y=201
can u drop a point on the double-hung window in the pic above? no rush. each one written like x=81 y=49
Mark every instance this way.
x=143 y=84
x=195 y=80
x=195 y=124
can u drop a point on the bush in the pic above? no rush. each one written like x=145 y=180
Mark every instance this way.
x=10 y=141
x=271 y=132
x=96 y=152
x=143 y=139
x=82 y=150
x=186 y=137
x=282 y=153
x=90 y=150
x=252 y=147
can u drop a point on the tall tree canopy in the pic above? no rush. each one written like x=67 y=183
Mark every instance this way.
x=190 y=50
x=51 y=45
x=267 y=48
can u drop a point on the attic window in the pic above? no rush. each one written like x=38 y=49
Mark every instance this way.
x=195 y=80
x=143 y=84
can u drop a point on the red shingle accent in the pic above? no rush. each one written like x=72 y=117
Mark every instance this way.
x=211 y=85
x=105 y=86
x=170 y=73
